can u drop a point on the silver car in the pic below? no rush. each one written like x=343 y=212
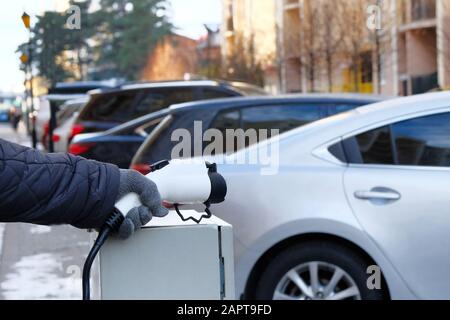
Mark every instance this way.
x=354 y=195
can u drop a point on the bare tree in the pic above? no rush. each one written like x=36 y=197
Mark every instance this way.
x=301 y=45
x=331 y=35
x=241 y=63
x=310 y=46
x=355 y=35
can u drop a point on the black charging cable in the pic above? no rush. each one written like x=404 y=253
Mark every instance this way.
x=111 y=225
x=207 y=215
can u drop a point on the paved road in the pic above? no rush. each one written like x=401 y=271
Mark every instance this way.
x=39 y=262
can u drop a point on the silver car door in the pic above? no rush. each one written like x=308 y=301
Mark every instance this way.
x=398 y=185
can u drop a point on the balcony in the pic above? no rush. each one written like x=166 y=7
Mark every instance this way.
x=291 y=5
x=418 y=14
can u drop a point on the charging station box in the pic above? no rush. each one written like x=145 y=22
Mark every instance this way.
x=168 y=259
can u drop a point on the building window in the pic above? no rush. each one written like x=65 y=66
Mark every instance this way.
x=423 y=9
x=366 y=67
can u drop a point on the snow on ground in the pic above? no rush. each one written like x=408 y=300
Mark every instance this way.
x=55 y=272
x=2 y=232
x=40 y=229
x=36 y=277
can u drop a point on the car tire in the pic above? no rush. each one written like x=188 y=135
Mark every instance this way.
x=324 y=256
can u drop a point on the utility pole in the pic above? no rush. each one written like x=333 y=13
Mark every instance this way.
x=27 y=23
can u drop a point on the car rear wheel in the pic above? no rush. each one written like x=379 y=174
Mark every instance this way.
x=316 y=271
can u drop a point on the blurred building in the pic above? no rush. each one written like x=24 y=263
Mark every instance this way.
x=250 y=41
x=172 y=59
x=409 y=54
x=418 y=57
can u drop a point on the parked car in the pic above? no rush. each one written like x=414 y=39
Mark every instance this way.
x=43 y=113
x=281 y=112
x=65 y=119
x=57 y=97
x=7 y=103
x=4 y=113
x=120 y=144
x=365 y=189
x=80 y=87
x=108 y=109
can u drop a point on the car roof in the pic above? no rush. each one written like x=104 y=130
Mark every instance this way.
x=302 y=98
x=162 y=84
x=59 y=97
x=165 y=84
x=78 y=87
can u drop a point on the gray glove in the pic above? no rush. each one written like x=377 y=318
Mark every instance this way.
x=133 y=182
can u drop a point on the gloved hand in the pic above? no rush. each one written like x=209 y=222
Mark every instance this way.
x=133 y=182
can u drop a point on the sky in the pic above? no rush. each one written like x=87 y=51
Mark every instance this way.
x=187 y=15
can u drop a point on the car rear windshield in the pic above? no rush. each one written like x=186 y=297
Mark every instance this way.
x=130 y=104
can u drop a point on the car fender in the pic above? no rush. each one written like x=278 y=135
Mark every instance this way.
x=398 y=289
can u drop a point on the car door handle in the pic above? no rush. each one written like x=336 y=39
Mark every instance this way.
x=378 y=194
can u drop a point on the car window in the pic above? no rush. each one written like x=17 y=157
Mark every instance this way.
x=215 y=94
x=155 y=100
x=283 y=118
x=111 y=106
x=339 y=108
x=150 y=126
x=153 y=149
x=179 y=95
x=127 y=105
x=227 y=120
x=57 y=104
x=375 y=146
x=151 y=101
x=423 y=141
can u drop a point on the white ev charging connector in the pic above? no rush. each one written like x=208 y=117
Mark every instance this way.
x=179 y=182
x=182 y=183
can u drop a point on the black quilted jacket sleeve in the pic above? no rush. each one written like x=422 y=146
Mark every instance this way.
x=54 y=188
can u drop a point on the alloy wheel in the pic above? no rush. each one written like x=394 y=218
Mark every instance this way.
x=317 y=280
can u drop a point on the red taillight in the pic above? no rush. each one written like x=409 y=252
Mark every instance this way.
x=168 y=205
x=142 y=168
x=56 y=138
x=80 y=148
x=76 y=129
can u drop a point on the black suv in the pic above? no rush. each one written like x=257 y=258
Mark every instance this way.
x=109 y=108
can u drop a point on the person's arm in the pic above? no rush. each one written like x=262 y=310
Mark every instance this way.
x=55 y=188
